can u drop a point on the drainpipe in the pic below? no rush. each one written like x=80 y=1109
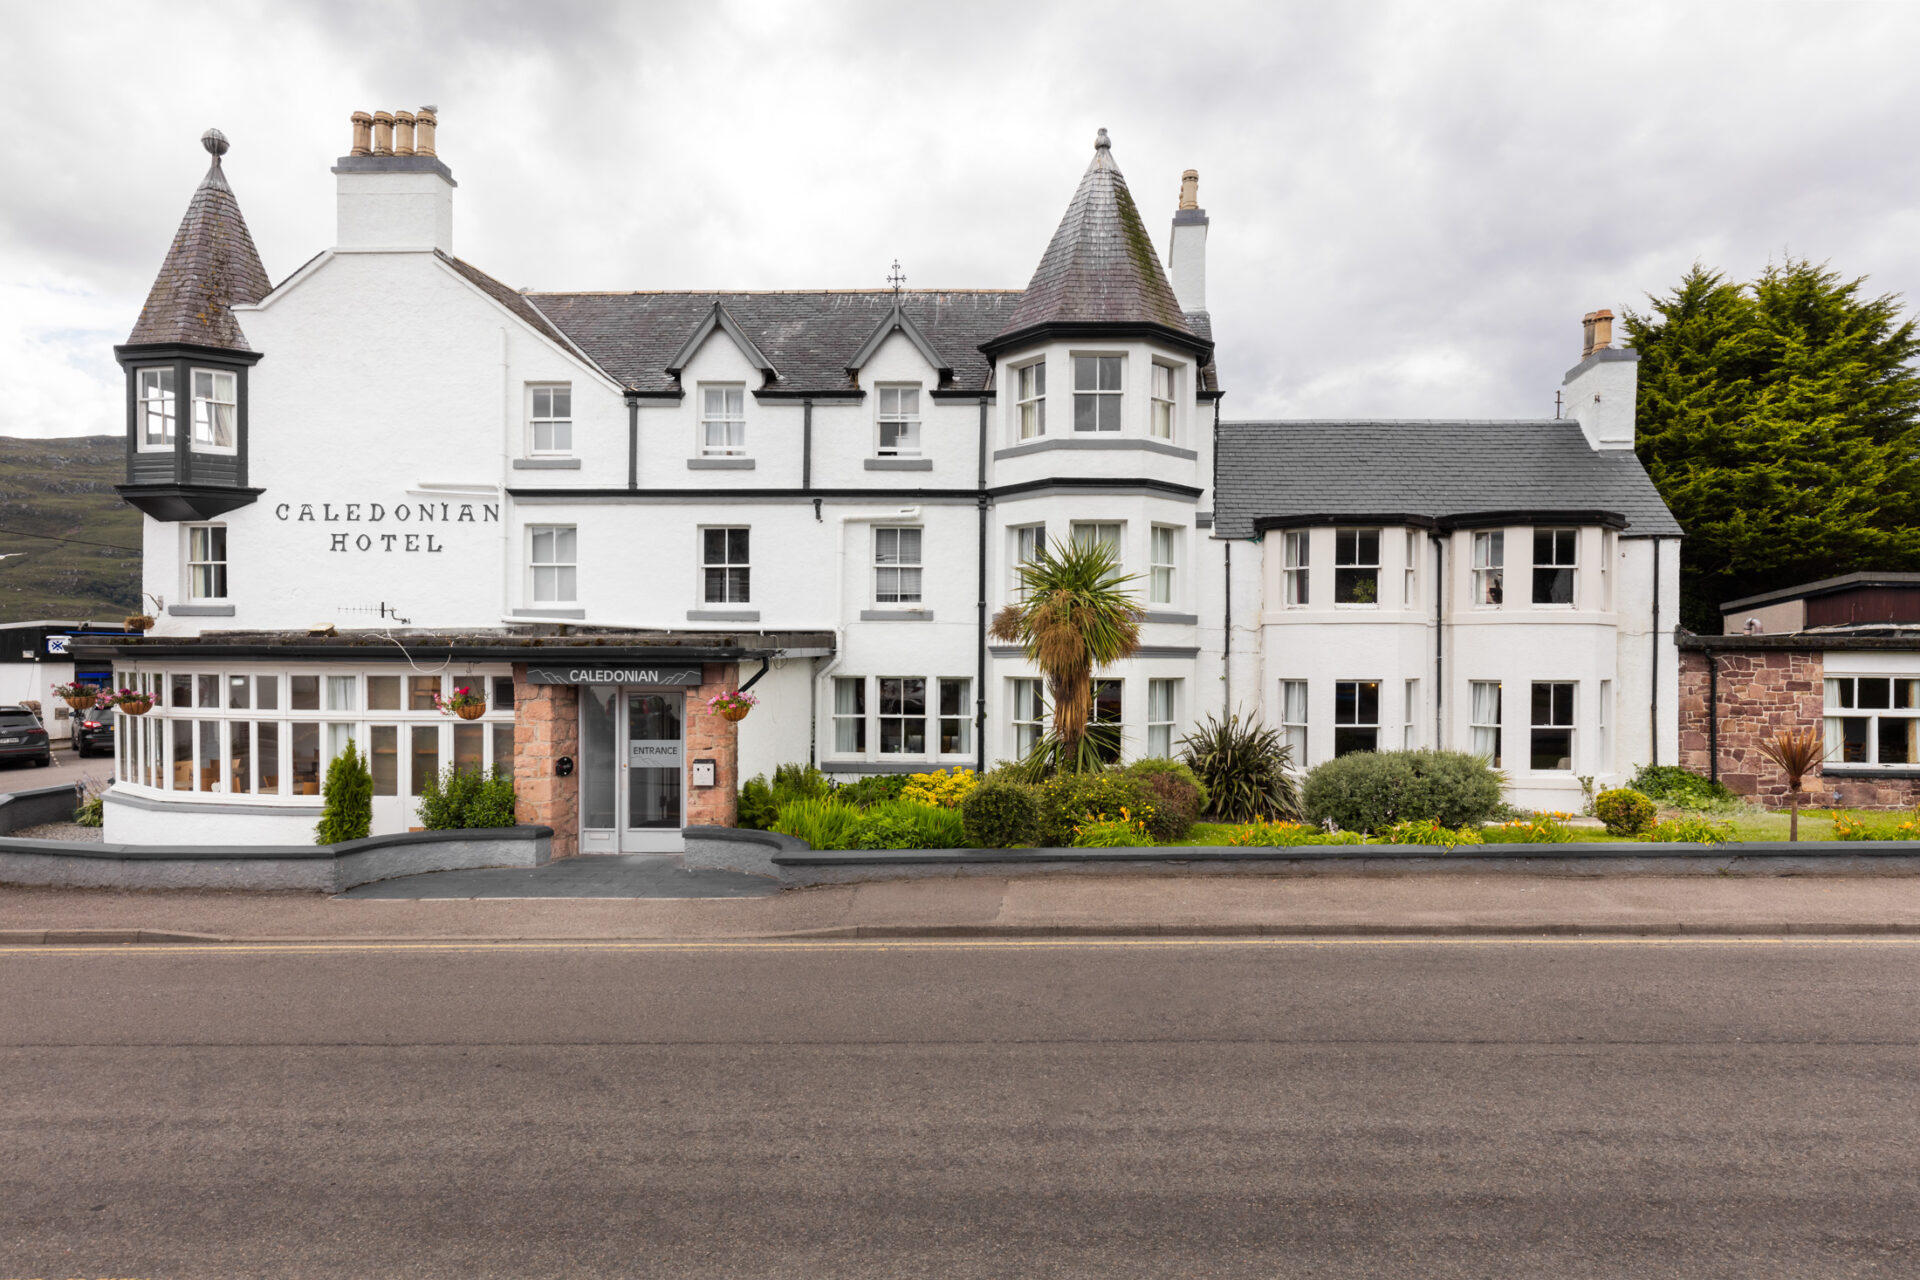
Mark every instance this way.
x=633 y=442
x=980 y=683
x=1226 y=638
x=1439 y=638
x=1654 y=701
x=1713 y=716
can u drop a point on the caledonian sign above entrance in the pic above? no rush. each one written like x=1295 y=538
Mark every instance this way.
x=657 y=677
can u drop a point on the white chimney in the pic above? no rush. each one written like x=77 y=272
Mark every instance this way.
x=1599 y=393
x=394 y=201
x=1187 y=257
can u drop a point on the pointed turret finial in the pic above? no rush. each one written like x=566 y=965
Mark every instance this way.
x=1100 y=142
x=216 y=144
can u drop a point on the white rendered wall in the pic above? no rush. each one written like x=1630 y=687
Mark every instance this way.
x=393 y=211
x=201 y=823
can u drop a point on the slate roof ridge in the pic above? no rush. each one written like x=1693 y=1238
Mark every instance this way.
x=1399 y=422
x=747 y=293
x=211 y=266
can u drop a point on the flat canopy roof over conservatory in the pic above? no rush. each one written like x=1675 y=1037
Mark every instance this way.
x=545 y=645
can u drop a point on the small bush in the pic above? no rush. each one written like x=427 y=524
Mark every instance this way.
x=1428 y=831
x=940 y=788
x=800 y=782
x=1371 y=791
x=1123 y=831
x=1175 y=794
x=1069 y=799
x=1263 y=833
x=467 y=798
x=1624 y=812
x=1540 y=829
x=92 y=812
x=1679 y=788
x=1848 y=827
x=346 y=810
x=823 y=824
x=866 y=791
x=1689 y=830
x=1001 y=814
x=1243 y=769
x=907 y=824
x=757 y=809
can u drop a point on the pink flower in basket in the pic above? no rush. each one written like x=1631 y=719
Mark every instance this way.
x=733 y=704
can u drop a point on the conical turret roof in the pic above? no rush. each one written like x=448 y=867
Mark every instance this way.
x=1101 y=267
x=211 y=267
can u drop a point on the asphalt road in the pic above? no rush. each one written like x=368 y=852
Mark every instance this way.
x=66 y=767
x=1431 y=1109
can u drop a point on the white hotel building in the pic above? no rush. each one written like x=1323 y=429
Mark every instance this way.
x=390 y=475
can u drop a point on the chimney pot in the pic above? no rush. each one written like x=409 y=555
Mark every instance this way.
x=383 y=133
x=1190 y=189
x=1602 y=329
x=362 y=134
x=424 y=121
x=403 y=133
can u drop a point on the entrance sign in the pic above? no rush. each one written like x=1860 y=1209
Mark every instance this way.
x=658 y=677
x=653 y=755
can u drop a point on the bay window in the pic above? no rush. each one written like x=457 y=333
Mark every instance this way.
x=903 y=715
x=1356 y=716
x=1293 y=721
x=1096 y=393
x=1162 y=423
x=1162 y=699
x=956 y=717
x=1161 y=542
x=850 y=715
x=1356 y=566
x=1872 y=720
x=1294 y=574
x=1028 y=716
x=1030 y=399
x=1489 y=568
x=214 y=406
x=156 y=408
x=1484 y=710
x=1552 y=744
x=1555 y=555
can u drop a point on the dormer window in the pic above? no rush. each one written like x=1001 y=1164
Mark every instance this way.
x=899 y=422
x=550 y=417
x=156 y=408
x=1030 y=397
x=214 y=407
x=723 y=422
x=1096 y=393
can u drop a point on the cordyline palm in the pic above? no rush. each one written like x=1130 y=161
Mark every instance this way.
x=1077 y=617
x=1798 y=753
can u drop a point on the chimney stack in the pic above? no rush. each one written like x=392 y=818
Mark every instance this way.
x=1187 y=255
x=403 y=133
x=394 y=192
x=1597 y=332
x=1600 y=391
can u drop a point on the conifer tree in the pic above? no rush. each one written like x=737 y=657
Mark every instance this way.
x=1781 y=422
x=346 y=810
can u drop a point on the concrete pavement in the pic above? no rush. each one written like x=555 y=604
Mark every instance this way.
x=1031 y=905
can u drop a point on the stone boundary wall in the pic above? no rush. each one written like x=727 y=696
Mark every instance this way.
x=42 y=804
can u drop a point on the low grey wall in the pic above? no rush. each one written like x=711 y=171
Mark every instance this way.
x=43 y=804
x=315 y=868
x=736 y=849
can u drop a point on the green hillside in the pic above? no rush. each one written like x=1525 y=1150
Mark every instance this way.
x=64 y=487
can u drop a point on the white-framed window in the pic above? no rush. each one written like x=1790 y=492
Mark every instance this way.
x=215 y=404
x=1096 y=393
x=1356 y=566
x=1029 y=544
x=1109 y=706
x=1293 y=721
x=1294 y=569
x=550 y=418
x=156 y=408
x=1163 y=542
x=850 y=715
x=1555 y=556
x=1411 y=704
x=1356 y=716
x=552 y=563
x=1027 y=713
x=1163 y=701
x=1411 y=568
x=1099 y=533
x=725 y=566
x=1162 y=423
x=1489 y=568
x=723 y=421
x=1551 y=746
x=1608 y=549
x=1483 y=713
x=1872 y=720
x=1603 y=725
x=956 y=717
x=207 y=561
x=896 y=567
x=899 y=422
x=903 y=715
x=1030 y=399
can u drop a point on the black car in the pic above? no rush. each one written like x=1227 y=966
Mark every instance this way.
x=22 y=737
x=93 y=733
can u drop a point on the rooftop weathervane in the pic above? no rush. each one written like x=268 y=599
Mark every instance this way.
x=896 y=277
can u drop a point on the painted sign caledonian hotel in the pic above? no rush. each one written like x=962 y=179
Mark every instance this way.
x=599 y=509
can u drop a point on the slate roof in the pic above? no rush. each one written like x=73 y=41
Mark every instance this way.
x=1268 y=470
x=211 y=266
x=1101 y=267
x=810 y=336
x=510 y=298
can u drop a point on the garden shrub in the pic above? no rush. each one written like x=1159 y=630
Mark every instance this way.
x=1176 y=795
x=1624 y=812
x=346 y=809
x=1001 y=814
x=1123 y=831
x=907 y=824
x=1069 y=799
x=1429 y=831
x=1245 y=770
x=939 y=788
x=866 y=791
x=467 y=798
x=1848 y=826
x=1371 y=791
x=1539 y=829
x=92 y=812
x=800 y=782
x=1689 y=829
x=1680 y=788
x=823 y=824
x=757 y=807
x=1264 y=833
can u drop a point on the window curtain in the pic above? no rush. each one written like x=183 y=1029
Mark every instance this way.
x=1486 y=719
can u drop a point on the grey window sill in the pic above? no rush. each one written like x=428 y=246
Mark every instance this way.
x=546 y=464
x=899 y=464
x=1091 y=442
x=896 y=615
x=549 y=613
x=723 y=615
x=200 y=610
x=1868 y=771
x=1174 y=619
x=720 y=464
x=922 y=764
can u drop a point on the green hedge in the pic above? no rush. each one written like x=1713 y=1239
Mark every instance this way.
x=1002 y=814
x=1371 y=791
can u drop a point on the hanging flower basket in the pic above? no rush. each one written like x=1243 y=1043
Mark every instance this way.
x=78 y=696
x=140 y=622
x=133 y=702
x=732 y=705
x=464 y=703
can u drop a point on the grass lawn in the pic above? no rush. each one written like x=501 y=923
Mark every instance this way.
x=1749 y=824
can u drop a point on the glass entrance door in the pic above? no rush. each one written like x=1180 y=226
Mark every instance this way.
x=632 y=769
x=654 y=764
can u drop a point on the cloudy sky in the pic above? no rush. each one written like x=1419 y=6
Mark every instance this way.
x=1412 y=203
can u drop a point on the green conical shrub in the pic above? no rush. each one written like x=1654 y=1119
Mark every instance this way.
x=347 y=811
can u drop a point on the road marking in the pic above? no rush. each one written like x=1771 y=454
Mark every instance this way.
x=927 y=944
